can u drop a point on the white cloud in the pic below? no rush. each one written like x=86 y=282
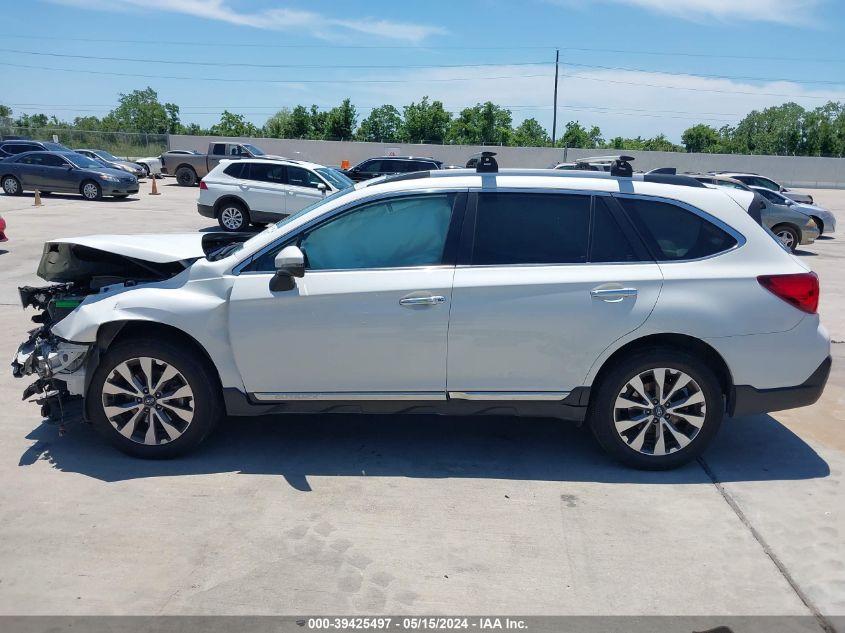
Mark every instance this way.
x=794 y=12
x=271 y=19
x=622 y=103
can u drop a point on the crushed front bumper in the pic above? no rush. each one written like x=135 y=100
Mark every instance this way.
x=59 y=369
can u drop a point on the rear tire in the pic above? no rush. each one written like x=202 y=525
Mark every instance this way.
x=172 y=389
x=233 y=217
x=788 y=236
x=12 y=186
x=90 y=190
x=186 y=177
x=659 y=430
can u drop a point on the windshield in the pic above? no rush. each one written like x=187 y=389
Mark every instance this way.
x=83 y=161
x=337 y=179
x=105 y=155
x=254 y=150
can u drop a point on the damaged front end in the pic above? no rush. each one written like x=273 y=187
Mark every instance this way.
x=58 y=365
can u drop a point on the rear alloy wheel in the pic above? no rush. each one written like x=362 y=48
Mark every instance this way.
x=788 y=236
x=12 y=186
x=91 y=190
x=186 y=177
x=154 y=399
x=657 y=410
x=232 y=217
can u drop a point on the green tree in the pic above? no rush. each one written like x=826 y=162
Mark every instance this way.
x=425 y=122
x=5 y=112
x=141 y=111
x=701 y=138
x=278 y=125
x=317 y=123
x=381 y=126
x=530 y=134
x=482 y=123
x=576 y=135
x=299 y=125
x=340 y=122
x=233 y=125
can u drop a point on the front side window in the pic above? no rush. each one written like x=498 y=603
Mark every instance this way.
x=51 y=160
x=268 y=172
x=529 y=228
x=673 y=233
x=371 y=166
x=299 y=177
x=396 y=233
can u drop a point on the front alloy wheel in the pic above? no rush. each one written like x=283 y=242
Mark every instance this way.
x=148 y=401
x=91 y=191
x=154 y=398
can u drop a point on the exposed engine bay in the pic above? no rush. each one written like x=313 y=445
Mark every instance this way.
x=83 y=268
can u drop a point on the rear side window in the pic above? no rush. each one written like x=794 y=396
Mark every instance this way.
x=234 y=170
x=520 y=228
x=267 y=172
x=673 y=233
x=219 y=149
x=51 y=160
x=608 y=243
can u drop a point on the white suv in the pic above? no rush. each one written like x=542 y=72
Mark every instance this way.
x=259 y=190
x=647 y=306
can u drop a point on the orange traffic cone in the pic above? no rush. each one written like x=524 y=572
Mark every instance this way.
x=37 y=202
x=154 y=192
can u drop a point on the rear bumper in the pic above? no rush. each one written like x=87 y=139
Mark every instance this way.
x=206 y=210
x=746 y=400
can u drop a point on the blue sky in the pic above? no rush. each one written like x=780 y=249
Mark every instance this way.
x=630 y=66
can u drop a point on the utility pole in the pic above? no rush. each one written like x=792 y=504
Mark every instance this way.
x=554 y=113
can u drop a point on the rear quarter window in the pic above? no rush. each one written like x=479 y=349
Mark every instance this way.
x=673 y=233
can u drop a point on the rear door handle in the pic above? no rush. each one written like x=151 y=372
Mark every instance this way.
x=431 y=300
x=613 y=295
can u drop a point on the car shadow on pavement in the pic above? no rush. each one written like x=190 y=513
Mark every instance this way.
x=295 y=447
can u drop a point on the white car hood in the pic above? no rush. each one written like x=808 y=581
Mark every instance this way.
x=156 y=248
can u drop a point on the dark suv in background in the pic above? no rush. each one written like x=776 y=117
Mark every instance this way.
x=388 y=165
x=10 y=148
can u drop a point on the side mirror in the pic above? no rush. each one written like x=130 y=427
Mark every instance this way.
x=322 y=187
x=290 y=263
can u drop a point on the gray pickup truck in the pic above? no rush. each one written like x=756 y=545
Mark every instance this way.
x=189 y=168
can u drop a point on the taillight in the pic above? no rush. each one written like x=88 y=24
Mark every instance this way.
x=800 y=290
x=203 y=185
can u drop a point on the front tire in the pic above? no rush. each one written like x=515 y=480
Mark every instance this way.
x=12 y=186
x=90 y=190
x=154 y=399
x=186 y=177
x=657 y=409
x=819 y=224
x=788 y=236
x=233 y=216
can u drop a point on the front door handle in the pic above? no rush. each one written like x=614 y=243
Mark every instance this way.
x=431 y=300
x=613 y=295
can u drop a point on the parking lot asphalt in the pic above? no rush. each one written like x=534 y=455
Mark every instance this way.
x=409 y=515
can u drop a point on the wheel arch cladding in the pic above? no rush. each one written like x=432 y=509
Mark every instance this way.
x=227 y=199
x=679 y=342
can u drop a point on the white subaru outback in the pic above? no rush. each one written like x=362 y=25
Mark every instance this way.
x=646 y=306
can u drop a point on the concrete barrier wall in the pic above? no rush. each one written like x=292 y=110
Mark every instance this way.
x=793 y=171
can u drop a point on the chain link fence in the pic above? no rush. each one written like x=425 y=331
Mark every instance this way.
x=121 y=144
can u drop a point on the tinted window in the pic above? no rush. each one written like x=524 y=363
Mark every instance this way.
x=371 y=166
x=299 y=177
x=770 y=195
x=267 y=172
x=674 y=233
x=51 y=160
x=393 y=166
x=234 y=170
x=420 y=165
x=17 y=148
x=388 y=234
x=608 y=243
x=29 y=159
x=520 y=228
x=219 y=149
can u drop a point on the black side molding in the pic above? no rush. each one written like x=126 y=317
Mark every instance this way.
x=746 y=400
